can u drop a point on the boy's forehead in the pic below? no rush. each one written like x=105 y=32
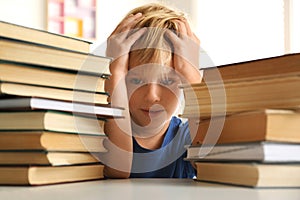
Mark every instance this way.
x=152 y=69
x=150 y=56
x=133 y=62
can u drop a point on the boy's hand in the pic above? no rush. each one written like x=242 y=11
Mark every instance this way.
x=120 y=42
x=186 y=52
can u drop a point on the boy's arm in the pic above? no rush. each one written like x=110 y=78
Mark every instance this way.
x=118 y=130
x=186 y=52
x=118 y=160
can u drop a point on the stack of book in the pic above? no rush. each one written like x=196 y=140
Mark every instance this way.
x=245 y=123
x=52 y=108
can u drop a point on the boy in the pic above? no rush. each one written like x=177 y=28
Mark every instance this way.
x=154 y=50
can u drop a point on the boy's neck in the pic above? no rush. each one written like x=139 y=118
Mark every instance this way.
x=155 y=141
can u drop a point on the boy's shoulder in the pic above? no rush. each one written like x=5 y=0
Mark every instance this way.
x=181 y=123
x=178 y=130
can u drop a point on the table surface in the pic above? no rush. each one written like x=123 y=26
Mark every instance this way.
x=183 y=189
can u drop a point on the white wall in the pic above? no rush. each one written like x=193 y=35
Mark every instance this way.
x=235 y=30
x=229 y=30
x=111 y=12
x=29 y=13
x=295 y=26
x=189 y=7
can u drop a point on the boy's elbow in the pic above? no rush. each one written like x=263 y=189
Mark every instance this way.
x=113 y=173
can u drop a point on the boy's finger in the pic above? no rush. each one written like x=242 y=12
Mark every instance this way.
x=131 y=18
x=181 y=28
x=187 y=27
x=127 y=23
x=135 y=36
x=130 y=21
x=171 y=35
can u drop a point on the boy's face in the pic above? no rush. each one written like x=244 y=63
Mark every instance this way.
x=153 y=92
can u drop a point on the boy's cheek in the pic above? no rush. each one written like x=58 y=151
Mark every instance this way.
x=135 y=92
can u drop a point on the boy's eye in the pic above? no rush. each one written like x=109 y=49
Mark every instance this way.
x=136 y=81
x=167 y=81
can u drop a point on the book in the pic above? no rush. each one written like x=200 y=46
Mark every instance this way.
x=34 y=103
x=8 y=89
x=266 y=152
x=260 y=125
x=50 y=141
x=51 y=121
x=239 y=96
x=46 y=158
x=56 y=58
x=286 y=64
x=18 y=32
x=250 y=174
x=41 y=175
x=35 y=75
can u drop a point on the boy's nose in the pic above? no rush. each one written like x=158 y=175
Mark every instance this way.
x=152 y=93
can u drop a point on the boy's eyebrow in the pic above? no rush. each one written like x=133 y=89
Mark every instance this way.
x=136 y=73
x=163 y=71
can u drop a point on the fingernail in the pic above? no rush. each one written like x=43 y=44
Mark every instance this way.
x=138 y=14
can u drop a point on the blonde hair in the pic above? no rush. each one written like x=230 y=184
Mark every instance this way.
x=153 y=46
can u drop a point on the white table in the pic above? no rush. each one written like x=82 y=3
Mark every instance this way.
x=144 y=189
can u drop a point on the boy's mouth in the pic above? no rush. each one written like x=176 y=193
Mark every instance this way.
x=152 y=112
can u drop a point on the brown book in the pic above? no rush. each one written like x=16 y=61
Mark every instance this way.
x=14 y=89
x=41 y=175
x=34 y=103
x=18 y=32
x=239 y=96
x=35 y=75
x=46 y=158
x=261 y=125
x=50 y=121
x=267 y=67
x=250 y=174
x=50 y=141
x=56 y=58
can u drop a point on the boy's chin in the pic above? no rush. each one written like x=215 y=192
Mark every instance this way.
x=151 y=120
x=149 y=128
x=148 y=131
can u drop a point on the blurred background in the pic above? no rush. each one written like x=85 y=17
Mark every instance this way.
x=230 y=30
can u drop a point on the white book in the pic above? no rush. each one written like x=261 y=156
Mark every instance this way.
x=267 y=152
x=34 y=103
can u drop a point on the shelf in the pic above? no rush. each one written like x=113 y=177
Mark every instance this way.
x=76 y=18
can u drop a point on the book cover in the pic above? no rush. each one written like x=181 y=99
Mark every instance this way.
x=37 y=75
x=50 y=158
x=239 y=96
x=51 y=121
x=51 y=57
x=42 y=175
x=277 y=125
x=250 y=174
x=286 y=64
x=23 y=33
x=34 y=103
x=9 y=89
x=50 y=141
x=265 y=152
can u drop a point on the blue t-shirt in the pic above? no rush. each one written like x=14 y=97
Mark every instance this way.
x=167 y=161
